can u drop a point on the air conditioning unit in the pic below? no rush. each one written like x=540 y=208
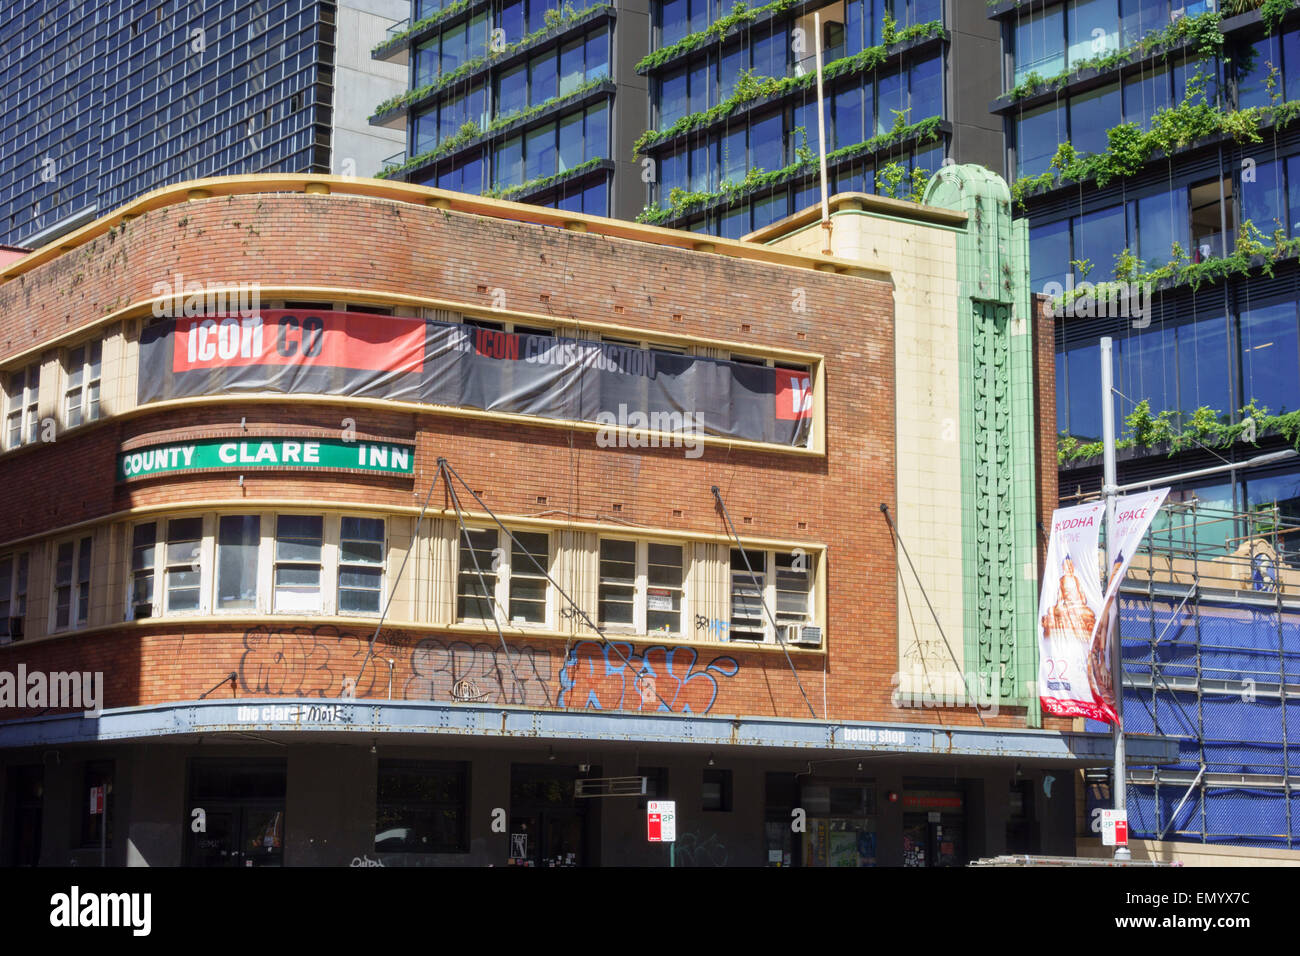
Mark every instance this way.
x=805 y=635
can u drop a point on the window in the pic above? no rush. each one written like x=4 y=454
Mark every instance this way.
x=1038 y=133
x=1040 y=44
x=1140 y=17
x=529 y=555
x=1269 y=356
x=748 y=621
x=781 y=580
x=641 y=586
x=1146 y=93
x=361 y=565
x=184 y=542
x=422 y=807
x=99 y=773
x=238 y=542
x=144 y=541
x=13 y=596
x=1214 y=231
x=299 y=540
x=22 y=420
x=1092 y=114
x=1097 y=237
x=1093 y=29
x=1049 y=253
x=1161 y=221
x=715 y=790
x=72 y=583
x=511 y=578
x=81 y=396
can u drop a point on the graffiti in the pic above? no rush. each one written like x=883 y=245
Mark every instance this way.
x=365 y=861
x=311 y=662
x=695 y=850
x=466 y=690
x=439 y=666
x=716 y=626
x=595 y=676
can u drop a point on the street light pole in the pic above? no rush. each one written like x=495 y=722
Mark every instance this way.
x=1109 y=489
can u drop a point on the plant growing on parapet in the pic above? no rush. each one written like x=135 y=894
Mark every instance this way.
x=888 y=29
x=889 y=179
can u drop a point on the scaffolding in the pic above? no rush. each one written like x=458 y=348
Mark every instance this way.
x=1210 y=642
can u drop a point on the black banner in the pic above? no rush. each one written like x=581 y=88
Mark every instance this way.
x=439 y=363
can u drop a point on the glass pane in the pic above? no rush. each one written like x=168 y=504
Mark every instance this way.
x=358 y=577
x=570 y=141
x=597 y=55
x=1144 y=372
x=143 y=543
x=616 y=605
x=1270 y=354
x=539 y=152
x=361 y=552
x=1262 y=201
x=529 y=552
x=1204 y=377
x=926 y=90
x=1098 y=236
x=571 y=72
x=1093 y=28
x=238 y=539
x=1038 y=133
x=673 y=98
x=362 y=602
x=512 y=90
x=1091 y=116
x=1049 y=254
x=596 y=140
x=1145 y=94
x=1040 y=44
x=1140 y=17
x=362 y=529
x=664 y=565
x=542 y=78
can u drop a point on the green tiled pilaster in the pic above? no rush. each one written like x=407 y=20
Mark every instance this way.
x=999 y=471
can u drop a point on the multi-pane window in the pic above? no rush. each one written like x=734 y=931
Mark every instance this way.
x=779 y=582
x=510 y=575
x=238 y=543
x=72 y=583
x=183 y=570
x=477 y=575
x=641 y=586
x=554 y=147
x=529 y=559
x=21 y=406
x=748 y=584
x=299 y=542
x=13 y=596
x=361 y=565
x=144 y=557
x=81 y=395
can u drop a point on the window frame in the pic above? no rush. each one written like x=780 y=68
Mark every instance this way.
x=768 y=578
x=13 y=596
x=641 y=588
x=503 y=558
x=79 y=379
x=81 y=559
x=23 y=403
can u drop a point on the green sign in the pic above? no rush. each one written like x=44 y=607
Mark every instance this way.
x=223 y=454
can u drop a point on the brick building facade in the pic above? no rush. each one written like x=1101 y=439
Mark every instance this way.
x=297 y=665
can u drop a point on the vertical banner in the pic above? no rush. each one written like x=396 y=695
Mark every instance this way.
x=1076 y=619
x=1067 y=613
x=1133 y=516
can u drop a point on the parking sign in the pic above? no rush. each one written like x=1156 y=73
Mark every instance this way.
x=661 y=821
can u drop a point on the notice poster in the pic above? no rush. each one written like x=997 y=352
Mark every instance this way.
x=1076 y=616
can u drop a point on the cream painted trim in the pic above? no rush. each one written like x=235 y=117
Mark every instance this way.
x=334 y=507
x=187 y=622
x=323 y=188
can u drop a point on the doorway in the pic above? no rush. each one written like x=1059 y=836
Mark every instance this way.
x=548 y=826
x=26 y=789
x=243 y=813
x=934 y=828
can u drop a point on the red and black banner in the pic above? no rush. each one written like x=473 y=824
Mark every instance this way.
x=440 y=363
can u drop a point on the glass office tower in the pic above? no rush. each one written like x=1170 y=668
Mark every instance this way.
x=105 y=101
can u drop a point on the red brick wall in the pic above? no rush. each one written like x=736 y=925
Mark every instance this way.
x=286 y=239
